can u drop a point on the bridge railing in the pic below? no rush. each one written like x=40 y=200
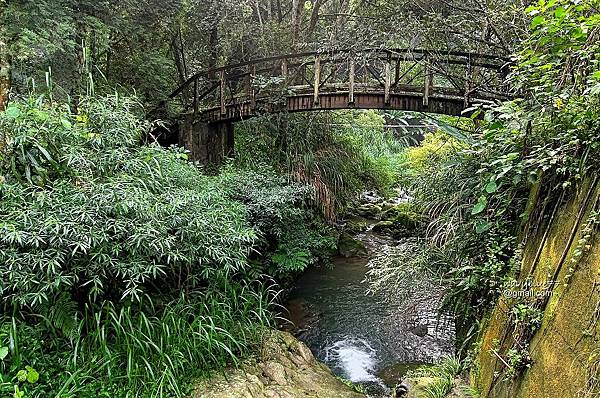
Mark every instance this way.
x=247 y=85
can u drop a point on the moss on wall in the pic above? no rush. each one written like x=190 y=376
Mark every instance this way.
x=564 y=350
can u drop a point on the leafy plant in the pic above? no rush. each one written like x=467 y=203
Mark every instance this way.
x=354 y=386
x=14 y=377
x=443 y=375
x=116 y=216
x=125 y=268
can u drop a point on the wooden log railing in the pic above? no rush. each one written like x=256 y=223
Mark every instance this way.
x=240 y=87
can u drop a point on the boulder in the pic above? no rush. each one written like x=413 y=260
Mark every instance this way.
x=384 y=227
x=286 y=368
x=399 y=221
x=349 y=247
x=274 y=372
x=368 y=210
x=355 y=226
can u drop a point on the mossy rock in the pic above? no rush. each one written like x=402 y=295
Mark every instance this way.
x=418 y=386
x=404 y=224
x=348 y=246
x=354 y=227
x=369 y=210
x=408 y=219
x=385 y=227
x=391 y=213
x=286 y=368
x=387 y=206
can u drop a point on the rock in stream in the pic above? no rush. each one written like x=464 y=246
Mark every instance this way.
x=286 y=368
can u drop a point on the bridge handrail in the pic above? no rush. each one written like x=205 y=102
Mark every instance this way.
x=426 y=53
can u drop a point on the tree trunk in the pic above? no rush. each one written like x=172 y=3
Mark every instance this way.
x=314 y=18
x=213 y=41
x=279 y=12
x=5 y=71
x=297 y=7
x=179 y=55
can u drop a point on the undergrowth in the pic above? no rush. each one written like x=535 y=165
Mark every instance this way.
x=125 y=270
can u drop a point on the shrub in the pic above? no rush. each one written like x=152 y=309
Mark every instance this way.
x=124 y=268
x=339 y=154
x=88 y=213
x=290 y=235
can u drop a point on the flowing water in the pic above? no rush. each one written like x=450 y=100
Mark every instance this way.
x=370 y=339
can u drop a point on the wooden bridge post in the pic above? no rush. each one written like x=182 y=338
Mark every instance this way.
x=397 y=72
x=428 y=82
x=351 y=82
x=208 y=143
x=388 y=78
x=317 y=79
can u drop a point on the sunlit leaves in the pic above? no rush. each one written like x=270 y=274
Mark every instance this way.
x=491 y=186
x=12 y=112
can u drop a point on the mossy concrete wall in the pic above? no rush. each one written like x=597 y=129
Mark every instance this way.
x=565 y=350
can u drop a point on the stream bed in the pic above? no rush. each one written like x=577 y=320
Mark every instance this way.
x=369 y=339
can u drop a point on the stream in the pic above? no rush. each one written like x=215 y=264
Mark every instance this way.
x=369 y=339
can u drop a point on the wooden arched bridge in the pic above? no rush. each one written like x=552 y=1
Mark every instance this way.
x=446 y=82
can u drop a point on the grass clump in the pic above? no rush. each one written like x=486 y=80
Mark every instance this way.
x=440 y=377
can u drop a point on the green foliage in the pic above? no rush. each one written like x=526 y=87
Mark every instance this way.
x=475 y=191
x=337 y=153
x=118 y=43
x=155 y=350
x=530 y=316
x=102 y=217
x=516 y=360
x=413 y=264
x=435 y=148
x=290 y=236
x=124 y=267
x=379 y=147
x=470 y=236
x=14 y=377
x=443 y=374
x=560 y=30
x=354 y=386
x=584 y=244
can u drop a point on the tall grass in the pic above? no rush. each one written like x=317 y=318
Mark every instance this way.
x=151 y=352
x=443 y=374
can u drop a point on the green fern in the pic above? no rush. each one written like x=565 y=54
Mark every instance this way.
x=291 y=260
x=61 y=315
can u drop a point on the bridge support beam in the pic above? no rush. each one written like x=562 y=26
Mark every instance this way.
x=208 y=143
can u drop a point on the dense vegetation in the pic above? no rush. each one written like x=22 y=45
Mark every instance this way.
x=126 y=270
x=125 y=263
x=113 y=251
x=476 y=192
